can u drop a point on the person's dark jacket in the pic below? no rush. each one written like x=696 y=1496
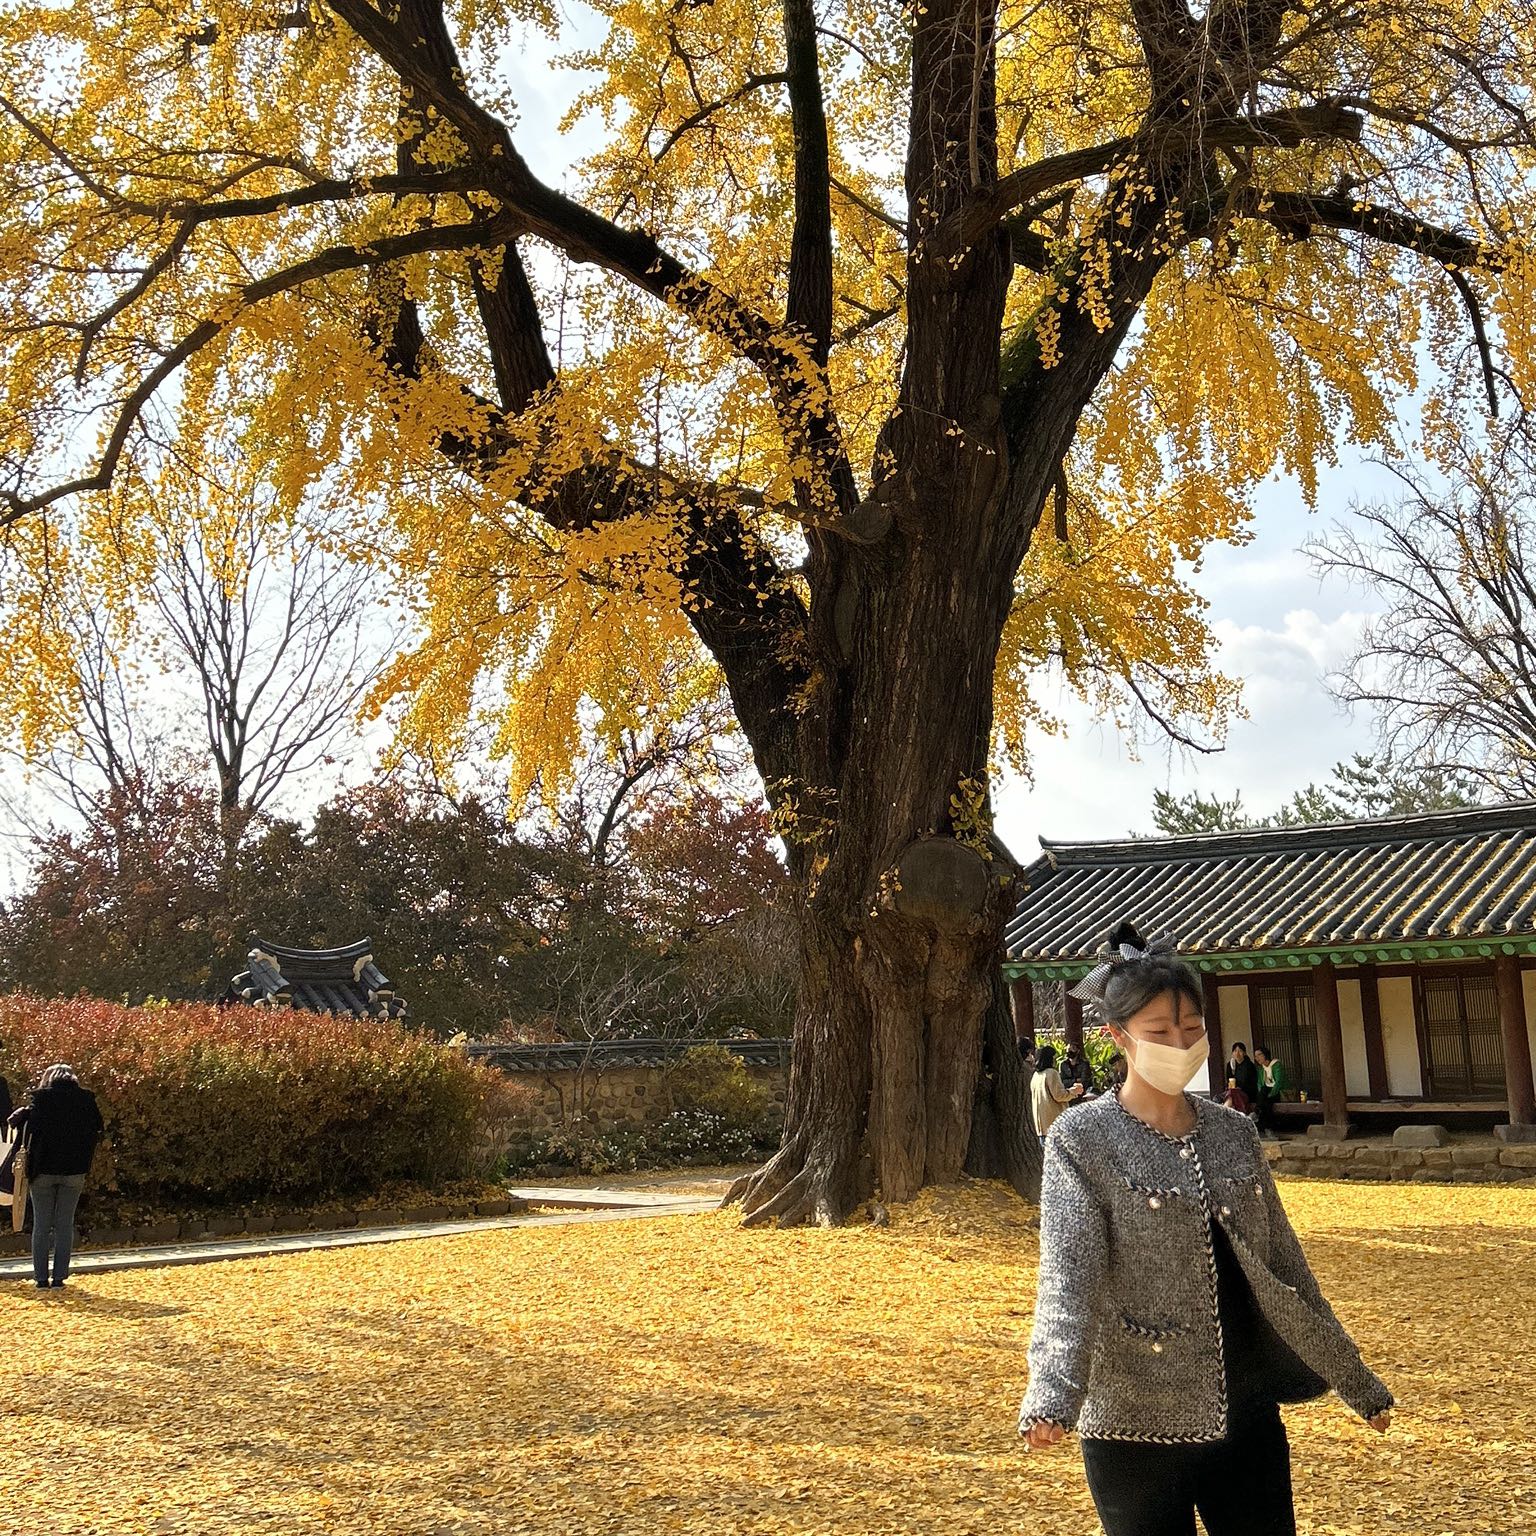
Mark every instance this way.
x=1078 y=1071
x=1246 y=1073
x=5 y=1100
x=63 y=1125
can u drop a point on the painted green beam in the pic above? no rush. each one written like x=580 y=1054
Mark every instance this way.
x=1247 y=962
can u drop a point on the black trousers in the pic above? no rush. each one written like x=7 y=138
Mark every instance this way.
x=1266 y=1110
x=1241 y=1485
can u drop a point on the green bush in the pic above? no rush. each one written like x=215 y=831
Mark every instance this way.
x=229 y=1104
x=712 y=1080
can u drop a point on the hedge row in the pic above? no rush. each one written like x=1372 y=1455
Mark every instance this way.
x=227 y=1104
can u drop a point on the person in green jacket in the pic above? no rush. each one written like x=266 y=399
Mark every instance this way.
x=1274 y=1084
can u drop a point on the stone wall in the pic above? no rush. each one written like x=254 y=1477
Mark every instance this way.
x=1475 y=1160
x=615 y=1083
x=617 y=1096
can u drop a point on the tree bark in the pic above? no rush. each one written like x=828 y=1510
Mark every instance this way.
x=1003 y=1140
x=903 y=910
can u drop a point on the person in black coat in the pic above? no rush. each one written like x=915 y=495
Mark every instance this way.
x=1243 y=1073
x=60 y=1124
x=1075 y=1068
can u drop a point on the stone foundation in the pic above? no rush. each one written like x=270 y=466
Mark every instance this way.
x=1464 y=1160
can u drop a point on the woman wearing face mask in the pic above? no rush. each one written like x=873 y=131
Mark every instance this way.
x=1175 y=1310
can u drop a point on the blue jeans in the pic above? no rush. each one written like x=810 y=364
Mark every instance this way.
x=54 y=1198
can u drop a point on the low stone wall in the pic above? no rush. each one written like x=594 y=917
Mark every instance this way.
x=619 y=1083
x=616 y=1097
x=1475 y=1160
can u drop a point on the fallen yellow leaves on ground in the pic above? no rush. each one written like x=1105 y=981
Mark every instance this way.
x=685 y=1375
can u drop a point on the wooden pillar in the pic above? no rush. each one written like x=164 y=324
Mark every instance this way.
x=1072 y=1032
x=1218 y=1053
x=1022 y=992
x=1370 y=1017
x=1330 y=1050
x=1517 y=1052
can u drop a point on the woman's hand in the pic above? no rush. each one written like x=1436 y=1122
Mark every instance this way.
x=1381 y=1422
x=1042 y=1437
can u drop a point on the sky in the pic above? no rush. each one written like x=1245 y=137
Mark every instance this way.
x=1281 y=630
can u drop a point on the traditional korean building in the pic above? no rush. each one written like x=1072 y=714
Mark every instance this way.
x=1390 y=964
x=341 y=980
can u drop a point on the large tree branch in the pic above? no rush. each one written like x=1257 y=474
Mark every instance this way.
x=1297 y=214
x=1171 y=143
x=810 y=252
x=327 y=263
x=422 y=55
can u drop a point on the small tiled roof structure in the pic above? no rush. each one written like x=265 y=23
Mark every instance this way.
x=1442 y=886
x=343 y=980
x=603 y=1055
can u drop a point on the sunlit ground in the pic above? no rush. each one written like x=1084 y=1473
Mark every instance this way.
x=685 y=1375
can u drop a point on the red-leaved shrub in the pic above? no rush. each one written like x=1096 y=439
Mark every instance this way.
x=227 y=1104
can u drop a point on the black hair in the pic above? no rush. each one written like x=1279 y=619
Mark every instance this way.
x=1045 y=1058
x=1132 y=984
x=1237 y=1045
x=1264 y=1051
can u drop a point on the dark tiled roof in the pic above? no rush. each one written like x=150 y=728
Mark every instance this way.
x=601 y=1055
x=1451 y=876
x=343 y=980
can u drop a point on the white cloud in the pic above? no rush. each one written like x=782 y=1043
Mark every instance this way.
x=1088 y=784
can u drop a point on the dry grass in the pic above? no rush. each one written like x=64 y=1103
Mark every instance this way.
x=685 y=1375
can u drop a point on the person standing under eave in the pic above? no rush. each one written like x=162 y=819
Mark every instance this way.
x=1175 y=1311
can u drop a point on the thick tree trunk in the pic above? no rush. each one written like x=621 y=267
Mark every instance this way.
x=902 y=914
x=904 y=892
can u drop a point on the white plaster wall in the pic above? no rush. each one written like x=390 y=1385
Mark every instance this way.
x=1357 y=1074
x=1234 y=1017
x=1399 y=1038
x=1528 y=984
x=1232 y=1004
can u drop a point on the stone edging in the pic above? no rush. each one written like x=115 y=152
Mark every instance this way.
x=1403 y=1165
x=307 y=1219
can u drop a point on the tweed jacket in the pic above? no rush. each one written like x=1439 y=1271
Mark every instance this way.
x=1127 y=1339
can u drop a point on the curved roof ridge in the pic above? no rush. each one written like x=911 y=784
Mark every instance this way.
x=1507 y=815
x=352 y=951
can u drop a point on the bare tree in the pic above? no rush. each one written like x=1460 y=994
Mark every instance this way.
x=281 y=632
x=246 y=646
x=661 y=758
x=1449 y=666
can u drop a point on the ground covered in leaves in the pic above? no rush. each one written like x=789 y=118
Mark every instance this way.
x=685 y=1375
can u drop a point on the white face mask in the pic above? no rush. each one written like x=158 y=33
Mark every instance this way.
x=1168 y=1068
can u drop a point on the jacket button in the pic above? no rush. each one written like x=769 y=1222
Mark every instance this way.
x=1155 y=1203
x=1226 y=1210
x=1157 y=1349
x=1183 y=1151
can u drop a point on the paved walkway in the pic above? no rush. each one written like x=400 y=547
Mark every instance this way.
x=570 y=1205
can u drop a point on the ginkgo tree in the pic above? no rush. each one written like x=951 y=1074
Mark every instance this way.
x=889 y=354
